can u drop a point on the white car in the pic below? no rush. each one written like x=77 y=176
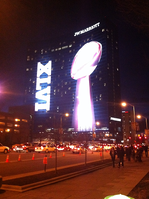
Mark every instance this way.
x=44 y=148
x=4 y=149
x=18 y=148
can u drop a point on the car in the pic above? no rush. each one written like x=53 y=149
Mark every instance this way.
x=45 y=148
x=18 y=148
x=4 y=149
x=28 y=147
x=78 y=149
x=72 y=146
x=60 y=147
x=67 y=147
x=14 y=145
x=90 y=147
x=96 y=148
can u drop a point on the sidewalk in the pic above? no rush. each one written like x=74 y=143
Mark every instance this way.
x=94 y=185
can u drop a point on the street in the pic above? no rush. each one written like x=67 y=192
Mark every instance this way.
x=18 y=163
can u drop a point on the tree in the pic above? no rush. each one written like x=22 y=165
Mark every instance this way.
x=135 y=12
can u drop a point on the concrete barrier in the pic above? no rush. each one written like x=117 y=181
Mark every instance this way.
x=53 y=180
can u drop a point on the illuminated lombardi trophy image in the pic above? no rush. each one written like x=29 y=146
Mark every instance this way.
x=84 y=63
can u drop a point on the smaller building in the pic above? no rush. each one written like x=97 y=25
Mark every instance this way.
x=15 y=126
x=129 y=128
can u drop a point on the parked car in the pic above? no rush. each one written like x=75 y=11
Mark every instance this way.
x=4 y=149
x=14 y=145
x=18 y=148
x=78 y=149
x=97 y=148
x=67 y=147
x=28 y=147
x=45 y=148
x=71 y=146
x=60 y=147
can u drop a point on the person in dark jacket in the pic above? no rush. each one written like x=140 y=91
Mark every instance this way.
x=121 y=156
x=112 y=154
x=139 y=154
x=146 y=150
x=128 y=153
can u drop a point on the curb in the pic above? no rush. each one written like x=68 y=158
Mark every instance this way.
x=52 y=180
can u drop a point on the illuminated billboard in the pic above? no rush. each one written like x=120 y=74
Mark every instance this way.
x=92 y=91
x=43 y=87
x=87 y=29
x=84 y=63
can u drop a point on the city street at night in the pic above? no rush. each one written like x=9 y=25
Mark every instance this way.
x=74 y=106
x=98 y=184
x=26 y=164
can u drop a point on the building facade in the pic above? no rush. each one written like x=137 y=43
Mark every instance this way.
x=14 y=128
x=127 y=118
x=51 y=89
x=128 y=127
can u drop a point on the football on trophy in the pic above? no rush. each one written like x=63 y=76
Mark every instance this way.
x=86 y=60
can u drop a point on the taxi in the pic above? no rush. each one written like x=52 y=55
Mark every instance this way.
x=45 y=148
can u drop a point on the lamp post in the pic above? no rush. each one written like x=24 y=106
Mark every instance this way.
x=61 y=122
x=97 y=123
x=146 y=130
x=140 y=116
x=124 y=104
x=60 y=132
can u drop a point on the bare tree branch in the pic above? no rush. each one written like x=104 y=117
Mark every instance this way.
x=135 y=12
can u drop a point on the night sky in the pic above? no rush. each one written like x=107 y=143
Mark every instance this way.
x=24 y=21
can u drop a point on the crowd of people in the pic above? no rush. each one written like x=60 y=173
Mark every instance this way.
x=130 y=152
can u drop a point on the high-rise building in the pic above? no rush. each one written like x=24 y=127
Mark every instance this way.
x=50 y=87
x=128 y=128
x=127 y=118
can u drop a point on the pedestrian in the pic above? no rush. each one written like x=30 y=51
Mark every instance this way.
x=117 y=151
x=134 y=154
x=128 y=152
x=140 y=152
x=146 y=150
x=121 y=156
x=112 y=154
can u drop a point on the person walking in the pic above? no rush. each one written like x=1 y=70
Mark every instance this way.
x=112 y=154
x=146 y=150
x=121 y=156
x=128 y=152
x=134 y=151
x=140 y=151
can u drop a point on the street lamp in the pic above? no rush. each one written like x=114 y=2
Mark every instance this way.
x=97 y=123
x=146 y=130
x=67 y=114
x=61 y=119
x=124 y=104
x=140 y=116
x=60 y=132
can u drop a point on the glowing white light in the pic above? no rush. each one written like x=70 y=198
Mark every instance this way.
x=86 y=60
x=87 y=29
x=115 y=119
x=84 y=111
x=43 y=92
x=119 y=196
x=84 y=63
